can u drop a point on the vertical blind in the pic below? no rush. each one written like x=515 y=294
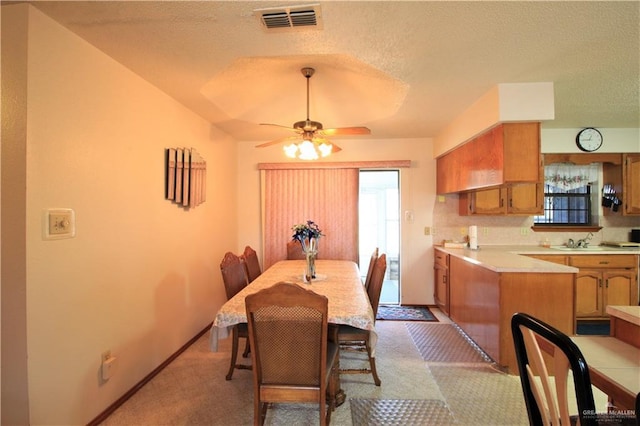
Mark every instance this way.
x=328 y=197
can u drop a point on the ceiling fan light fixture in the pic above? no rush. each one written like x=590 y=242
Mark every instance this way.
x=307 y=150
x=325 y=149
x=290 y=150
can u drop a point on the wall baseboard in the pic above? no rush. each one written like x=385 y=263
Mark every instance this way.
x=113 y=407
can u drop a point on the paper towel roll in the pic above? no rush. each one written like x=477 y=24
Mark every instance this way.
x=473 y=237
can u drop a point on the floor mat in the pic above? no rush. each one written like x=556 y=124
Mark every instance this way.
x=445 y=343
x=399 y=412
x=481 y=395
x=405 y=313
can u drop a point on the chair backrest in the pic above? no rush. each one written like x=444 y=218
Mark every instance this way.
x=377 y=279
x=234 y=274
x=372 y=263
x=294 y=251
x=288 y=336
x=545 y=403
x=250 y=258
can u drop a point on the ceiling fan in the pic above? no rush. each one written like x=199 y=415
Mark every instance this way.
x=311 y=142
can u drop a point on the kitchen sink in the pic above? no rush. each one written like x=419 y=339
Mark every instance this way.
x=588 y=248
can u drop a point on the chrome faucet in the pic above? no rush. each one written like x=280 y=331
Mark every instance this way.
x=581 y=243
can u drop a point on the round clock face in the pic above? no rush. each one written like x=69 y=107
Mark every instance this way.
x=589 y=139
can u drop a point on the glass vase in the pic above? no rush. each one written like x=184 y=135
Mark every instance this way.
x=311 y=251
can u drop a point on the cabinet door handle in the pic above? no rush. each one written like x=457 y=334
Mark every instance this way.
x=444 y=279
x=604 y=262
x=600 y=282
x=607 y=282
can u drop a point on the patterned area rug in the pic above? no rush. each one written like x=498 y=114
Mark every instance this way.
x=445 y=343
x=405 y=313
x=367 y=412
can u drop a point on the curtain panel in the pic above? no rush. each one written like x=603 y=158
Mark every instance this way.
x=328 y=197
x=570 y=176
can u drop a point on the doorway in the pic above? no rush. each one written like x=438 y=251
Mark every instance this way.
x=379 y=226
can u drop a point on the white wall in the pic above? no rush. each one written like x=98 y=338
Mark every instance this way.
x=141 y=277
x=417 y=194
x=614 y=140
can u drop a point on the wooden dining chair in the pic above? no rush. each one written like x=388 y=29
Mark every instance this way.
x=293 y=360
x=547 y=402
x=294 y=251
x=372 y=263
x=250 y=258
x=234 y=276
x=357 y=339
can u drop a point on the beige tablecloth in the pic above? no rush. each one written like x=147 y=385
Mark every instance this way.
x=339 y=280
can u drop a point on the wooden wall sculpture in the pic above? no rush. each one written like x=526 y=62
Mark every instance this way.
x=186 y=177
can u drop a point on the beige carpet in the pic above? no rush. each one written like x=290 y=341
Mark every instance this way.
x=193 y=391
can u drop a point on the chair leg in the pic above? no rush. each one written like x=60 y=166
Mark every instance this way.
x=263 y=412
x=234 y=353
x=372 y=362
x=247 y=349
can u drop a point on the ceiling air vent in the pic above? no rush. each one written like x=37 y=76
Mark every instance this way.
x=290 y=18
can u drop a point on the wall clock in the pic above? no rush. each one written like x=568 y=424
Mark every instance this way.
x=589 y=139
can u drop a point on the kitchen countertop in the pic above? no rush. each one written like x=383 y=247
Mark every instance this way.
x=510 y=258
x=627 y=313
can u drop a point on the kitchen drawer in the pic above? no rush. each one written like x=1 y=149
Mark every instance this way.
x=441 y=258
x=562 y=260
x=604 y=261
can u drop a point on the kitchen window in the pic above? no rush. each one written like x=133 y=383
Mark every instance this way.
x=568 y=195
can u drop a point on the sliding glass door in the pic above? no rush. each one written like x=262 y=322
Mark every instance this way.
x=379 y=226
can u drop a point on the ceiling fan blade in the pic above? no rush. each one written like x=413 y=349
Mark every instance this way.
x=334 y=147
x=346 y=131
x=281 y=126
x=277 y=141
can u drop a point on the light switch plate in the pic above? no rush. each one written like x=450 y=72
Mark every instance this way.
x=58 y=223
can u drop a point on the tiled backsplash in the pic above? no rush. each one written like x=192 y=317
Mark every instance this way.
x=516 y=230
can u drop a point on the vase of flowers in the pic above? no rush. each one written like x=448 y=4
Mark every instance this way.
x=308 y=234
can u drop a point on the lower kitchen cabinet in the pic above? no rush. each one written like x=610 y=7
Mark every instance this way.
x=607 y=279
x=441 y=280
x=595 y=289
x=482 y=302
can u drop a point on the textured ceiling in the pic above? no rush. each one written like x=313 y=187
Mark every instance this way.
x=404 y=69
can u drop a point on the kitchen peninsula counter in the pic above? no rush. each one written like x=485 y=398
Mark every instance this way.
x=487 y=286
x=514 y=258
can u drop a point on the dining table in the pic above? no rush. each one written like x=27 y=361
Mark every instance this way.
x=338 y=280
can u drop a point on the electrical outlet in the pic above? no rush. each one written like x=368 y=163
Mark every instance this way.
x=108 y=365
x=524 y=231
x=463 y=231
x=485 y=231
x=427 y=230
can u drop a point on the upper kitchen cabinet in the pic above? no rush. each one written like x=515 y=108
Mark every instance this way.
x=520 y=199
x=623 y=179
x=507 y=153
x=631 y=183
